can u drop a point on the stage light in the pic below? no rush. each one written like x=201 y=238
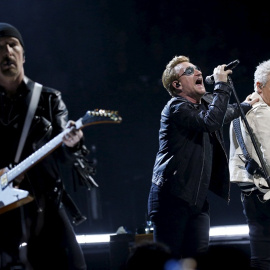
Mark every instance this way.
x=216 y=233
x=93 y=238
x=229 y=231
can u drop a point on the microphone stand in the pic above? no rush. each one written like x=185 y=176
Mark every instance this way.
x=267 y=178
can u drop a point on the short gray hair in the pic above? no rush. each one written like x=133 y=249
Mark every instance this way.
x=262 y=73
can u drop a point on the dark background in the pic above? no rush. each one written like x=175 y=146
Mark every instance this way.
x=110 y=54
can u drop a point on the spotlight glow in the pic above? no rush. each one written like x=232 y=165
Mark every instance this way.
x=93 y=238
x=226 y=232
x=236 y=230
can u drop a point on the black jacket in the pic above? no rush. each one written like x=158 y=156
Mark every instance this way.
x=43 y=180
x=186 y=161
x=43 y=221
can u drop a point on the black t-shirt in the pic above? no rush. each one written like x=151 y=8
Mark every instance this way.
x=12 y=117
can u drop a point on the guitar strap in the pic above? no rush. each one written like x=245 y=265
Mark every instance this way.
x=34 y=98
x=29 y=116
x=250 y=164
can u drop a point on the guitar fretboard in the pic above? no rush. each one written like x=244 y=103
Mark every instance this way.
x=39 y=154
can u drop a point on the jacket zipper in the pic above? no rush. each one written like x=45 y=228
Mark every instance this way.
x=200 y=180
x=220 y=142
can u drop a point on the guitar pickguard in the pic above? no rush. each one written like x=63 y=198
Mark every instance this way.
x=11 y=198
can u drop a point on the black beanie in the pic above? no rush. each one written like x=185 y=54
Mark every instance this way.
x=7 y=30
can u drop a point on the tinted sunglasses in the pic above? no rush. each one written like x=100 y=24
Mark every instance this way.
x=190 y=70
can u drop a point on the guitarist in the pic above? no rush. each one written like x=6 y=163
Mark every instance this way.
x=43 y=223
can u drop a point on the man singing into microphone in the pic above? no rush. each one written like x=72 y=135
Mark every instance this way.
x=191 y=158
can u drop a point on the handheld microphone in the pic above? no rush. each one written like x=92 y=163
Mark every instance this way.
x=232 y=65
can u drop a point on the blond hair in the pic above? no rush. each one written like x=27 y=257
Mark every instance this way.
x=170 y=74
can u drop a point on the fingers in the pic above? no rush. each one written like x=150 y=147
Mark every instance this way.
x=221 y=75
x=249 y=97
x=73 y=131
x=253 y=101
x=73 y=137
x=221 y=69
x=69 y=137
x=70 y=124
x=250 y=100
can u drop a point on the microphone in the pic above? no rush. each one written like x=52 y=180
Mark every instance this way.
x=232 y=65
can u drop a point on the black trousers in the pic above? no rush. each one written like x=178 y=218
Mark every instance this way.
x=257 y=213
x=51 y=241
x=184 y=229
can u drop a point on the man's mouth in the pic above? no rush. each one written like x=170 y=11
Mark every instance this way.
x=6 y=63
x=199 y=81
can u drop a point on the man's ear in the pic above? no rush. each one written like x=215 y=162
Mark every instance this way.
x=259 y=87
x=176 y=84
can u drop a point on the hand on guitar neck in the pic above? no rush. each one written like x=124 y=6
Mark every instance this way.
x=74 y=136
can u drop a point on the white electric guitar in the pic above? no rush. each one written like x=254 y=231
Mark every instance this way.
x=11 y=197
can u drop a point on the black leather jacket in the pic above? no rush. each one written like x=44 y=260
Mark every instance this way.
x=43 y=180
x=182 y=151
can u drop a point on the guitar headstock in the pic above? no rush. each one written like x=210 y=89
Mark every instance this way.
x=99 y=116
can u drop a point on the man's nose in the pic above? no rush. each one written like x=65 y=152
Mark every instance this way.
x=198 y=72
x=8 y=48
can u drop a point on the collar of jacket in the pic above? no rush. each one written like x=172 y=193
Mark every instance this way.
x=207 y=97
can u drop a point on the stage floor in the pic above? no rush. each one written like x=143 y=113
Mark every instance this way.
x=228 y=251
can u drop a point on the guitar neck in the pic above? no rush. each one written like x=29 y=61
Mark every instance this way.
x=38 y=155
x=90 y=118
x=34 y=158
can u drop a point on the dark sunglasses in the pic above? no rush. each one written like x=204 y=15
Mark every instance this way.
x=190 y=70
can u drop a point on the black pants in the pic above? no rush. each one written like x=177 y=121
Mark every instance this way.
x=257 y=212
x=51 y=242
x=184 y=229
x=55 y=246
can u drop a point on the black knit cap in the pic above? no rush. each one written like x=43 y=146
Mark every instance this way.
x=7 y=30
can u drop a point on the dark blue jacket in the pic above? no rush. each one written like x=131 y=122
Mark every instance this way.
x=50 y=119
x=183 y=146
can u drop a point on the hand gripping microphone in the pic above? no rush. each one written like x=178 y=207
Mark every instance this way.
x=232 y=65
